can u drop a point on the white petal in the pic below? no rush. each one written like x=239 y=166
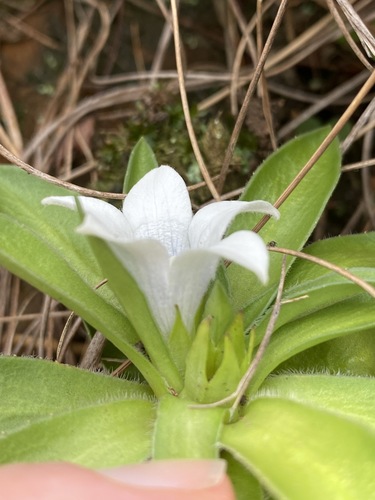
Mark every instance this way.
x=159 y=207
x=148 y=263
x=247 y=249
x=210 y=223
x=101 y=219
x=190 y=275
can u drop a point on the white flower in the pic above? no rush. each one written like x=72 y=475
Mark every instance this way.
x=172 y=254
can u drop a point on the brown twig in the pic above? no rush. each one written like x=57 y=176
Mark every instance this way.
x=328 y=265
x=57 y=182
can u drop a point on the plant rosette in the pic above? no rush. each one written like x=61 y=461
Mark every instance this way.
x=189 y=299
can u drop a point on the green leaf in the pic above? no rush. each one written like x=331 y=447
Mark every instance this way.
x=179 y=343
x=56 y=412
x=197 y=359
x=321 y=288
x=298 y=451
x=351 y=315
x=317 y=287
x=220 y=310
x=245 y=484
x=299 y=213
x=141 y=161
x=39 y=244
x=214 y=371
x=349 y=396
x=355 y=251
x=353 y=354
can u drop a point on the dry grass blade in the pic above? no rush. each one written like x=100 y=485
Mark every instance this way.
x=328 y=265
x=57 y=182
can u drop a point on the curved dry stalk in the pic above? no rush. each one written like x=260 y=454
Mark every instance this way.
x=263 y=84
x=49 y=178
x=185 y=105
x=322 y=148
x=43 y=327
x=67 y=334
x=328 y=265
x=88 y=105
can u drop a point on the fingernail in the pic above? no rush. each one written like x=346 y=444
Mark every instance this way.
x=192 y=474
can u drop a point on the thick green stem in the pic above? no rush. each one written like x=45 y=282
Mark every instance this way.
x=185 y=432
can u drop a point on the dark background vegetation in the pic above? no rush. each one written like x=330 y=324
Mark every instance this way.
x=81 y=81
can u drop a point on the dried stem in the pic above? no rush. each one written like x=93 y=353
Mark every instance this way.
x=49 y=178
x=328 y=265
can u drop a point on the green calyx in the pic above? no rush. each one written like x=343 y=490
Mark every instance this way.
x=219 y=354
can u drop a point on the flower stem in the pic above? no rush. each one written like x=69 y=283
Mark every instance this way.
x=182 y=431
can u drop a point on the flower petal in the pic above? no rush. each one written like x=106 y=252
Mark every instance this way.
x=148 y=263
x=247 y=249
x=190 y=275
x=210 y=223
x=159 y=207
x=101 y=219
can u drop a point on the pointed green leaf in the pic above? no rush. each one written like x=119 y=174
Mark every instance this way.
x=317 y=287
x=40 y=245
x=298 y=451
x=245 y=484
x=352 y=315
x=179 y=343
x=56 y=412
x=196 y=364
x=220 y=310
x=141 y=161
x=349 y=396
